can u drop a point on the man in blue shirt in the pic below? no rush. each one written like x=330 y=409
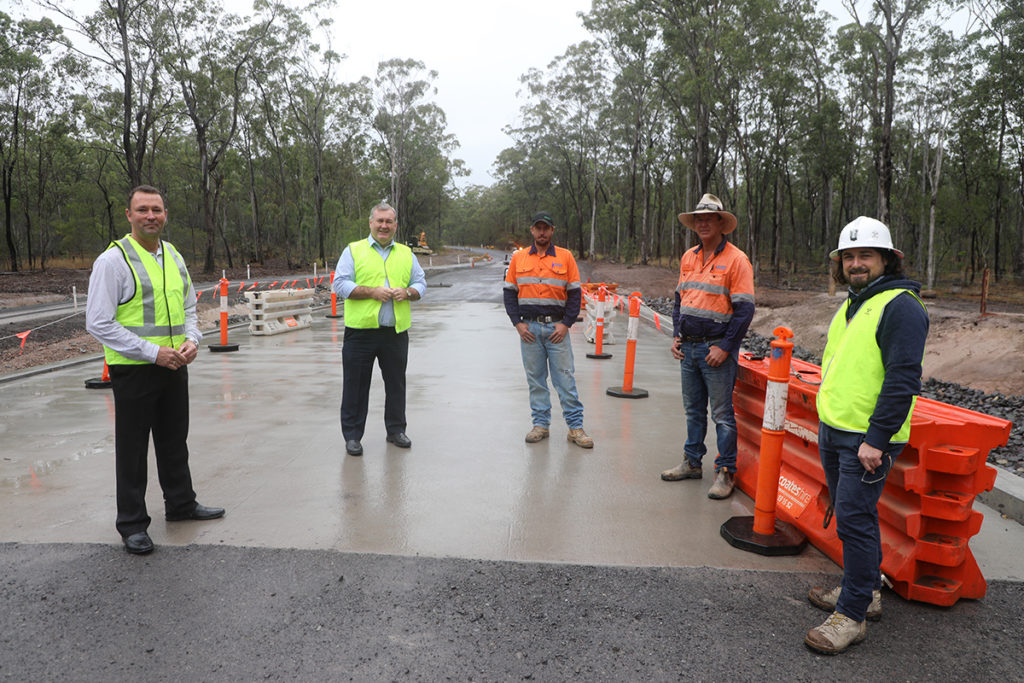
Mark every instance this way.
x=377 y=277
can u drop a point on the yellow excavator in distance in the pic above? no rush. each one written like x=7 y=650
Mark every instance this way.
x=421 y=247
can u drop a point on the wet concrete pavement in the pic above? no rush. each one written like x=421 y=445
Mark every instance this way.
x=266 y=444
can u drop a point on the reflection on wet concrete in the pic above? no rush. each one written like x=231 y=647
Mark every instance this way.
x=266 y=444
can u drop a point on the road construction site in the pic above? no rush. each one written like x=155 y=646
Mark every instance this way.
x=472 y=555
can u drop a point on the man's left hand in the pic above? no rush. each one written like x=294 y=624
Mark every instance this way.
x=870 y=457
x=189 y=349
x=716 y=356
x=559 y=334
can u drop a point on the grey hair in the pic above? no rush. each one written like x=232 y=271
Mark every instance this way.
x=384 y=206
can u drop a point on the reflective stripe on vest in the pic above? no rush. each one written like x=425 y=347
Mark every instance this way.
x=541 y=281
x=851 y=368
x=709 y=290
x=374 y=271
x=159 y=293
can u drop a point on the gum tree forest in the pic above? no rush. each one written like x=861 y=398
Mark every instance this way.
x=911 y=111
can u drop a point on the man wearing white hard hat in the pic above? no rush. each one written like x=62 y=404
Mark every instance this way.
x=870 y=380
x=714 y=304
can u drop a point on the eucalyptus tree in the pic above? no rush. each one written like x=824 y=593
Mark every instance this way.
x=208 y=60
x=24 y=88
x=414 y=145
x=128 y=40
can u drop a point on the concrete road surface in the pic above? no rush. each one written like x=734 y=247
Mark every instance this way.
x=472 y=556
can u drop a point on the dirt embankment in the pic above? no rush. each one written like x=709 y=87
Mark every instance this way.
x=965 y=347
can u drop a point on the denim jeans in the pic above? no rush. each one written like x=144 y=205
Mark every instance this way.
x=538 y=358
x=700 y=383
x=855 y=493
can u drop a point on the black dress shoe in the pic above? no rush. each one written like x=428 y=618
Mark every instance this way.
x=201 y=513
x=138 y=544
x=399 y=439
x=353 y=447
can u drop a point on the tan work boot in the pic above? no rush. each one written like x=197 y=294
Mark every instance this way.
x=580 y=438
x=722 y=488
x=536 y=434
x=827 y=599
x=836 y=634
x=683 y=470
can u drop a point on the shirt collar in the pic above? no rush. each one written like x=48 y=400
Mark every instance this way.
x=550 y=251
x=375 y=243
x=718 y=249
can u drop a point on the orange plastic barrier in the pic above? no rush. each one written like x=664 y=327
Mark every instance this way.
x=334 y=300
x=925 y=512
x=223 y=346
x=599 y=353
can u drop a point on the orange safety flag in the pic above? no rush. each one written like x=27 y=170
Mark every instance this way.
x=307 y=282
x=657 y=322
x=240 y=286
x=254 y=285
x=23 y=336
x=272 y=284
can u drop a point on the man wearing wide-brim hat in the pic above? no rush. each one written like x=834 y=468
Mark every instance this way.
x=714 y=304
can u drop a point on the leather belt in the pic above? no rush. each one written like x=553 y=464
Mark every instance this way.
x=699 y=340
x=541 y=318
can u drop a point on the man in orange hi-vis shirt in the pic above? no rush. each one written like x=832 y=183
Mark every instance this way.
x=714 y=304
x=542 y=299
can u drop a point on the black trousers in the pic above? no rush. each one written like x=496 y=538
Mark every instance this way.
x=359 y=349
x=149 y=399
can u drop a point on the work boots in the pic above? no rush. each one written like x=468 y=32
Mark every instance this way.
x=722 y=488
x=580 y=438
x=836 y=634
x=683 y=470
x=827 y=600
x=536 y=434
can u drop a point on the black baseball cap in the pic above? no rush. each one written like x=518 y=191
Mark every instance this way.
x=542 y=217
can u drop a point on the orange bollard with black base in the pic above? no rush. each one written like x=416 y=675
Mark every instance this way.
x=627 y=390
x=102 y=382
x=599 y=328
x=334 y=300
x=763 y=533
x=223 y=346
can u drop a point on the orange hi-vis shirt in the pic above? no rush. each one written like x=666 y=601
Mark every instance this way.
x=715 y=299
x=543 y=284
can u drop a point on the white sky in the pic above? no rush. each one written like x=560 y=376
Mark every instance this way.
x=479 y=48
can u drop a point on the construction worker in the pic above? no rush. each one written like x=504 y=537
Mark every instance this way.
x=714 y=304
x=870 y=379
x=542 y=299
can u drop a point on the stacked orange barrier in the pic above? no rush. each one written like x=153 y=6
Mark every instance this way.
x=925 y=512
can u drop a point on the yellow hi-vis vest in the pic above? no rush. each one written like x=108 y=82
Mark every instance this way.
x=851 y=368
x=371 y=271
x=157 y=311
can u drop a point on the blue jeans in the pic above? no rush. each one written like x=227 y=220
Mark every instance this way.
x=538 y=357
x=700 y=383
x=855 y=493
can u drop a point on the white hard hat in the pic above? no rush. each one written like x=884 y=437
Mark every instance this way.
x=864 y=232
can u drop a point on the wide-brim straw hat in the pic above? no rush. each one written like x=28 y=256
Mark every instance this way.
x=709 y=203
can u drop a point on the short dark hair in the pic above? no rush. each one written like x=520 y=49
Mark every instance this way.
x=893 y=265
x=145 y=189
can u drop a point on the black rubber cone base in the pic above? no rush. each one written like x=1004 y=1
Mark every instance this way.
x=787 y=539
x=618 y=392
x=601 y=356
x=97 y=383
x=334 y=315
x=221 y=348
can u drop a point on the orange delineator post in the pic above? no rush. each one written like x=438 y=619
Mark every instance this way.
x=627 y=390
x=599 y=326
x=223 y=346
x=334 y=300
x=762 y=533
